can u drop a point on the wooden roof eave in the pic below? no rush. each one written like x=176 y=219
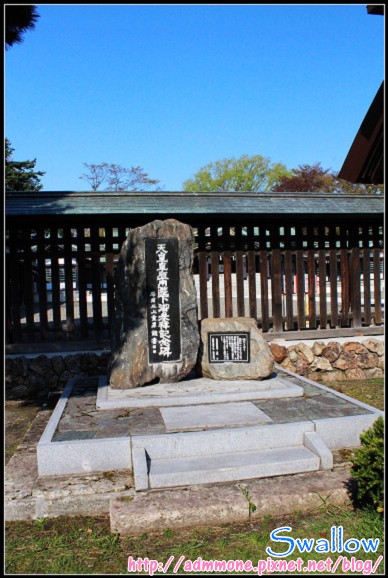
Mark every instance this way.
x=364 y=162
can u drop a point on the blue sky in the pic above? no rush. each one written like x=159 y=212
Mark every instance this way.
x=174 y=87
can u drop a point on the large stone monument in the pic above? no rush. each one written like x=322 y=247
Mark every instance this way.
x=155 y=335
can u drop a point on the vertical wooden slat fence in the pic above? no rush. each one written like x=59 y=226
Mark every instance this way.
x=60 y=277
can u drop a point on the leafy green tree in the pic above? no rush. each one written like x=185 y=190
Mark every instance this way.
x=118 y=178
x=313 y=178
x=20 y=175
x=247 y=173
x=18 y=19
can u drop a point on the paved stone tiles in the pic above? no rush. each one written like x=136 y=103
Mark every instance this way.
x=320 y=405
x=81 y=419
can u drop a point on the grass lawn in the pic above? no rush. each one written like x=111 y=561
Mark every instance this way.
x=370 y=391
x=86 y=546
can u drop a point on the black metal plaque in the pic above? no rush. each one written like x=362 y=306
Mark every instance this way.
x=163 y=310
x=229 y=347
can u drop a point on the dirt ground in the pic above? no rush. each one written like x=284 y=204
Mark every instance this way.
x=19 y=416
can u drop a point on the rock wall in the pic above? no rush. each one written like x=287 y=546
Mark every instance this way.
x=35 y=377
x=332 y=361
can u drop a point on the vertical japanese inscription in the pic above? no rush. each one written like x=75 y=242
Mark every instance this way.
x=163 y=309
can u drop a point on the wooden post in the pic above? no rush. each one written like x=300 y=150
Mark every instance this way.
x=333 y=289
x=42 y=287
x=215 y=265
x=355 y=280
x=289 y=292
x=322 y=289
x=239 y=273
x=300 y=289
x=55 y=280
x=82 y=288
x=29 y=289
x=311 y=288
x=345 y=304
x=377 y=286
x=252 y=273
x=277 y=291
x=264 y=290
x=96 y=283
x=367 y=291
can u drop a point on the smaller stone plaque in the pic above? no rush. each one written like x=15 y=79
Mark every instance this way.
x=233 y=348
x=229 y=347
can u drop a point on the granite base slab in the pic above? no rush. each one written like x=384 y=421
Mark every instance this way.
x=107 y=438
x=194 y=391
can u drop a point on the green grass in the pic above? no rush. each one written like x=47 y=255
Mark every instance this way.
x=86 y=546
x=370 y=391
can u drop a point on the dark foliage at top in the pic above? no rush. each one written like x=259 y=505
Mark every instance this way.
x=18 y=19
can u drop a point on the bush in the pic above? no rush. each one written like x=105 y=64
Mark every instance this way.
x=368 y=467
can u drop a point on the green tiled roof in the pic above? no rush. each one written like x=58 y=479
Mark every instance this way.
x=175 y=203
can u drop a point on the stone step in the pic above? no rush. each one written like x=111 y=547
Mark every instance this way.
x=227 y=467
x=227 y=454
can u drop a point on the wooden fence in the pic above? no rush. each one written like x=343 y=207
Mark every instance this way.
x=291 y=275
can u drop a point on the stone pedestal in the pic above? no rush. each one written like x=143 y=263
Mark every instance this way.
x=234 y=348
x=155 y=334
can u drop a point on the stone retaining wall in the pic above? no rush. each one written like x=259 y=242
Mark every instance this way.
x=332 y=361
x=34 y=377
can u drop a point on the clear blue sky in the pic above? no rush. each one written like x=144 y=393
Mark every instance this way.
x=172 y=88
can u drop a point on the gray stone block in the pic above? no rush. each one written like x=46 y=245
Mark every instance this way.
x=314 y=443
x=304 y=492
x=191 y=507
x=190 y=446
x=95 y=455
x=344 y=432
x=223 y=441
x=231 y=466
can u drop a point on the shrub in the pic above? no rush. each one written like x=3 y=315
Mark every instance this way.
x=368 y=467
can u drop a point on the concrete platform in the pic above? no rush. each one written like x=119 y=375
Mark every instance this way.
x=28 y=497
x=67 y=462
x=82 y=438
